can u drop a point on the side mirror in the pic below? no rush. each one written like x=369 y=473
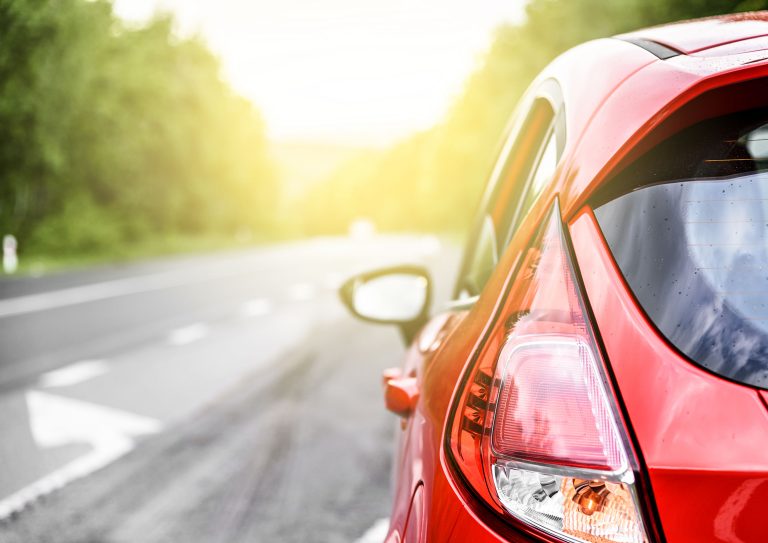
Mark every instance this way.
x=399 y=295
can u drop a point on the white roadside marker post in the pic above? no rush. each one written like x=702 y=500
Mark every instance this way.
x=10 y=258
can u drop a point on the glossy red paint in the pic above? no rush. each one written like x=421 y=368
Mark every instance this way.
x=417 y=520
x=694 y=36
x=703 y=438
x=735 y=48
x=699 y=482
x=401 y=395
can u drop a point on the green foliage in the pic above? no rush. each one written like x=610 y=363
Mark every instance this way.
x=112 y=135
x=434 y=180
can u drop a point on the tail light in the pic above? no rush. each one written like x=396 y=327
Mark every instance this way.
x=537 y=433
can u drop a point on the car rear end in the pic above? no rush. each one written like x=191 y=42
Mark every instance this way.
x=619 y=391
x=675 y=263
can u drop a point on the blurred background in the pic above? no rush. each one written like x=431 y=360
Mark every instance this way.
x=184 y=184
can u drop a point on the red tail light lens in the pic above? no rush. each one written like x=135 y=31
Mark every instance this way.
x=537 y=433
x=551 y=407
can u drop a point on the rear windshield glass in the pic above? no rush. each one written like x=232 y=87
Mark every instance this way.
x=691 y=240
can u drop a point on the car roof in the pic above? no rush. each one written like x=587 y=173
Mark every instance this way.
x=616 y=90
x=690 y=37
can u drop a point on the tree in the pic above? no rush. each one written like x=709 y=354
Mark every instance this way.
x=112 y=135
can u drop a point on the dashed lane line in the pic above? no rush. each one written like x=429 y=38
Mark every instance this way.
x=188 y=334
x=257 y=307
x=74 y=374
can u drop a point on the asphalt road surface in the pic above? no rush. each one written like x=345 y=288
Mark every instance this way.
x=218 y=398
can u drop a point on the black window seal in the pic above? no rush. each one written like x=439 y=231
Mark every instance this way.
x=662 y=52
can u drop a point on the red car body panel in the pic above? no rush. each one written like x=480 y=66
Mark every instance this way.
x=710 y=483
x=694 y=36
x=704 y=483
x=751 y=45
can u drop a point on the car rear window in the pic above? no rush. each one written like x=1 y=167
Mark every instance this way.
x=691 y=239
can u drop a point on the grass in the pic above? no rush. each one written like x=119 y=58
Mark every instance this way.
x=37 y=264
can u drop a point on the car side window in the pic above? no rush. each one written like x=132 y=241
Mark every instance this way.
x=546 y=164
x=485 y=257
x=544 y=171
x=525 y=166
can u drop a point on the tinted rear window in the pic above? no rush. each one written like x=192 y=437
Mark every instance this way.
x=691 y=240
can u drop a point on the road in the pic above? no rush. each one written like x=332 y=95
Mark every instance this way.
x=218 y=398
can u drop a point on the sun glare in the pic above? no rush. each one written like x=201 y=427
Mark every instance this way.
x=364 y=72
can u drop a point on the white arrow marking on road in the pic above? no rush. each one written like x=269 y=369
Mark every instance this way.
x=57 y=421
x=188 y=334
x=74 y=374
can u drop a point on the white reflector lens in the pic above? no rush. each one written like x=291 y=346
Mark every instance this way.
x=592 y=511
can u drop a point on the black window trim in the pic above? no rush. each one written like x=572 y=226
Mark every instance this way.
x=550 y=91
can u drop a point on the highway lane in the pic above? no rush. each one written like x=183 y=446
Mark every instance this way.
x=120 y=307
x=218 y=398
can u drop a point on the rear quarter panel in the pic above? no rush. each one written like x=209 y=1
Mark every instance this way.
x=703 y=439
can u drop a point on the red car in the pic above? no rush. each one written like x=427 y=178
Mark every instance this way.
x=602 y=373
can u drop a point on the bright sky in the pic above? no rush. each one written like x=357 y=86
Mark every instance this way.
x=348 y=71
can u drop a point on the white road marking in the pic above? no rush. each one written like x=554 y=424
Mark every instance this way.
x=56 y=421
x=256 y=308
x=188 y=334
x=376 y=533
x=73 y=374
x=108 y=289
x=301 y=292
